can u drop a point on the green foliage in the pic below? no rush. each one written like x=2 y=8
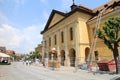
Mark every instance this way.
x=110 y=32
x=35 y=54
x=100 y=34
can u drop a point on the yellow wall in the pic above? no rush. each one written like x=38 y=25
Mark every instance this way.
x=55 y=19
x=85 y=34
x=104 y=52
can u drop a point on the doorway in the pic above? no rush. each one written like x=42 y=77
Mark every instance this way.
x=72 y=56
x=62 y=57
x=87 y=50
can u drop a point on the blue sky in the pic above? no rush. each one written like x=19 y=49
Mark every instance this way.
x=21 y=21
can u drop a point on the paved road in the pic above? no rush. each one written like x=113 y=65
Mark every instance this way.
x=18 y=71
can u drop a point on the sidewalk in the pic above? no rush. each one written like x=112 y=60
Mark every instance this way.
x=90 y=75
x=81 y=74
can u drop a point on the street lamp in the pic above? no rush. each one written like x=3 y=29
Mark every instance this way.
x=53 y=52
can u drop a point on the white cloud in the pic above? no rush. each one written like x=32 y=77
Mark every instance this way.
x=9 y=36
x=22 y=41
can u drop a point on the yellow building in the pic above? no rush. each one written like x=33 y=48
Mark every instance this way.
x=72 y=33
x=39 y=49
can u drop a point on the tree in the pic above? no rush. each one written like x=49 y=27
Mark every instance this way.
x=35 y=54
x=110 y=34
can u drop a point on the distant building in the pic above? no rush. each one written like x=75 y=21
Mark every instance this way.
x=71 y=34
x=3 y=49
x=18 y=54
x=10 y=52
x=39 y=48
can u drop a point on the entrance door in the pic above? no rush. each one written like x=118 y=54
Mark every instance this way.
x=86 y=54
x=62 y=57
x=72 y=56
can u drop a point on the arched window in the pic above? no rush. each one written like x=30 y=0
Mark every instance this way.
x=71 y=33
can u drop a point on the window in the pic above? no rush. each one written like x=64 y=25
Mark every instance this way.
x=62 y=37
x=96 y=55
x=55 y=39
x=49 y=41
x=71 y=33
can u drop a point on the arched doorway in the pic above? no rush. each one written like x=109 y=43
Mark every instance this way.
x=87 y=50
x=62 y=57
x=72 y=56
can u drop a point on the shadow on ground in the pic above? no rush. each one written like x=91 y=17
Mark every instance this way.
x=104 y=72
x=115 y=78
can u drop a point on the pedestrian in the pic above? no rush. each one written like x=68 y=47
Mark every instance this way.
x=30 y=62
x=26 y=62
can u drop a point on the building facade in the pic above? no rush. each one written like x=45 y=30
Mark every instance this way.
x=10 y=52
x=72 y=33
x=3 y=49
x=39 y=48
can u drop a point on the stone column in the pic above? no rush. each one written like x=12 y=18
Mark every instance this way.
x=58 y=45
x=67 y=59
x=43 y=49
x=47 y=47
x=77 y=39
x=47 y=51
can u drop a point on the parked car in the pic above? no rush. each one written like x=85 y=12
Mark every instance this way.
x=5 y=62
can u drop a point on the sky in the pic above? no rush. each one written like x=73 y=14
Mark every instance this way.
x=21 y=21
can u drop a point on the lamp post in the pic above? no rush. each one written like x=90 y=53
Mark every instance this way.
x=53 y=52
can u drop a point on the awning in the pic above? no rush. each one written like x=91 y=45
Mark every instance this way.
x=3 y=55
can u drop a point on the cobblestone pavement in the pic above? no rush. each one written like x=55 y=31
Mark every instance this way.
x=18 y=71
x=78 y=74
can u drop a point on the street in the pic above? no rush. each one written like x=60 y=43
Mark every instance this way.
x=18 y=71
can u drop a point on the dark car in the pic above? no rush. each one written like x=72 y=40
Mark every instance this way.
x=5 y=62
